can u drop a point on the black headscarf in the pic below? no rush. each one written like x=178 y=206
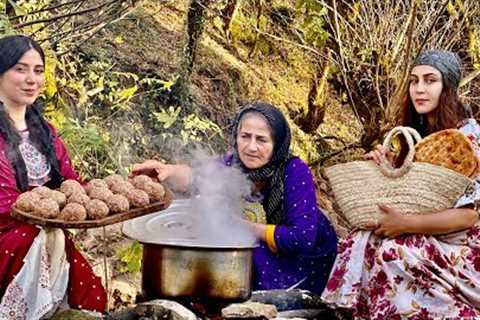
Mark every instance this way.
x=273 y=172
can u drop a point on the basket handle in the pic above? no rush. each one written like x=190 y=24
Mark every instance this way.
x=411 y=136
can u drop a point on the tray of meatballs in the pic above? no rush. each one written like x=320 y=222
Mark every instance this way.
x=98 y=203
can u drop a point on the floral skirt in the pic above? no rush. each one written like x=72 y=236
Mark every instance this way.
x=409 y=277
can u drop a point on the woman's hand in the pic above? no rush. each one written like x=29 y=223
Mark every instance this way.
x=149 y=167
x=178 y=175
x=378 y=153
x=392 y=223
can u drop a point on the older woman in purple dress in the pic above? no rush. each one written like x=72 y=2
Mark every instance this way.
x=297 y=242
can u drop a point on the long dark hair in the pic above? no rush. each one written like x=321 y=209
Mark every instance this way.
x=449 y=112
x=12 y=48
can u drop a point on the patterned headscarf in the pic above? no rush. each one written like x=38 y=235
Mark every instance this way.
x=274 y=171
x=446 y=62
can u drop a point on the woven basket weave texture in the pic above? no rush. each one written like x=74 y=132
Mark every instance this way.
x=416 y=188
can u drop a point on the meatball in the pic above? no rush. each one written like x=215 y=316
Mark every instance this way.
x=78 y=197
x=155 y=191
x=141 y=181
x=113 y=179
x=96 y=209
x=43 y=192
x=59 y=197
x=47 y=208
x=100 y=193
x=96 y=183
x=122 y=187
x=68 y=187
x=27 y=201
x=138 y=198
x=73 y=212
x=118 y=203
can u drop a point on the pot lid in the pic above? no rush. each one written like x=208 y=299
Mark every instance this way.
x=175 y=226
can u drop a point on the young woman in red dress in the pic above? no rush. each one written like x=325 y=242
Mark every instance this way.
x=40 y=269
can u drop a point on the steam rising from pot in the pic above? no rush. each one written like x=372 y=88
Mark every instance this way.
x=217 y=201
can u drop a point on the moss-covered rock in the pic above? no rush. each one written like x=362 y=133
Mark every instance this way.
x=71 y=314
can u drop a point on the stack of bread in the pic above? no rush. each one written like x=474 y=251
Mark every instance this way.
x=448 y=148
x=95 y=200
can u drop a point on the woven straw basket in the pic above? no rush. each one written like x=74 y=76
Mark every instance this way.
x=414 y=188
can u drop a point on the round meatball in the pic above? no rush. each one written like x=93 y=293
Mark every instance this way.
x=96 y=183
x=100 y=193
x=141 y=181
x=27 y=201
x=96 y=209
x=155 y=191
x=113 y=179
x=118 y=203
x=68 y=187
x=138 y=198
x=42 y=191
x=47 y=208
x=122 y=187
x=73 y=212
x=59 y=197
x=78 y=197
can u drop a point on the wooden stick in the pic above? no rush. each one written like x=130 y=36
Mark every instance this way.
x=105 y=271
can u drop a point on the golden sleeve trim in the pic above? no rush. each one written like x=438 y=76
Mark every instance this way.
x=269 y=236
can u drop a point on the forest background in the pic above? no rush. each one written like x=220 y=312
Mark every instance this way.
x=129 y=80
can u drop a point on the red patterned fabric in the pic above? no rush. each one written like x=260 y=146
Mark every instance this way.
x=85 y=290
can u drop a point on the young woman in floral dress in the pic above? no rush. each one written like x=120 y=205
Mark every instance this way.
x=417 y=266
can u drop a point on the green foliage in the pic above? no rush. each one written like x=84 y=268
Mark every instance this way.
x=196 y=128
x=243 y=27
x=91 y=149
x=5 y=25
x=162 y=85
x=131 y=257
x=167 y=117
x=97 y=84
x=191 y=128
x=312 y=22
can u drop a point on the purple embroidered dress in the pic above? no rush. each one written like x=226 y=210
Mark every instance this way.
x=306 y=243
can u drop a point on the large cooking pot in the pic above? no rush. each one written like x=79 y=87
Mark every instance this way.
x=216 y=273
x=176 y=264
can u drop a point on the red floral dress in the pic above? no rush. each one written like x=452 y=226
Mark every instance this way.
x=83 y=289
x=412 y=276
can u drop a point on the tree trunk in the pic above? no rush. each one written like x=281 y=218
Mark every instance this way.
x=313 y=118
x=195 y=22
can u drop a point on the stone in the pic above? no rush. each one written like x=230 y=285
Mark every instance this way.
x=249 y=310
x=124 y=291
x=307 y=314
x=289 y=299
x=71 y=314
x=164 y=309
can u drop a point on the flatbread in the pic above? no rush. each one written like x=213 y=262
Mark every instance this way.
x=450 y=149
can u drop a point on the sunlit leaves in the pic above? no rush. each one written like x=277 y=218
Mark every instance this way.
x=313 y=22
x=167 y=117
x=131 y=257
x=90 y=149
